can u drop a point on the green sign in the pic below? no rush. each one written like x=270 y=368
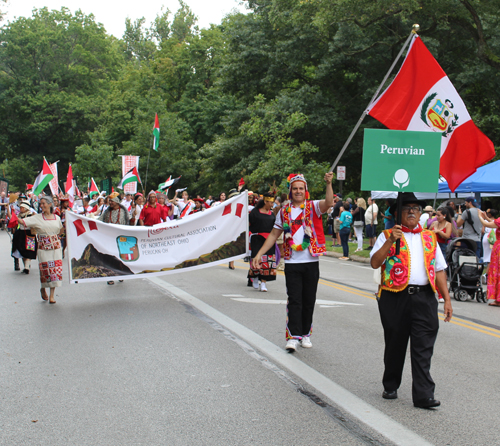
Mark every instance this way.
x=400 y=160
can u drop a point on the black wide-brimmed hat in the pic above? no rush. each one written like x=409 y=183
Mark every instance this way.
x=408 y=197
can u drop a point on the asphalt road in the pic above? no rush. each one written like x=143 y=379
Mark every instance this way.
x=197 y=359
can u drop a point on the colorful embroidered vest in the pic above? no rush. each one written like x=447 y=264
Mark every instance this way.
x=317 y=246
x=395 y=271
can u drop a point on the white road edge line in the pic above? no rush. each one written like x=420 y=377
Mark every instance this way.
x=349 y=402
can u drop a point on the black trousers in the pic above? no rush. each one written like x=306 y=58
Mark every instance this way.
x=301 y=286
x=409 y=317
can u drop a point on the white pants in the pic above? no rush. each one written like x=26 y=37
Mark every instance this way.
x=358 y=230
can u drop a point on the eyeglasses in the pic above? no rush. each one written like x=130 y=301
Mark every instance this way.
x=411 y=208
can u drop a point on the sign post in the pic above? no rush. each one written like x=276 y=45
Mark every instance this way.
x=340 y=176
x=400 y=161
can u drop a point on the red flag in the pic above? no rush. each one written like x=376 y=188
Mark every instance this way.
x=70 y=186
x=422 y=98
x=14 y=221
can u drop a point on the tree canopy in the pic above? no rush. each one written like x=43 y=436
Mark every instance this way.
x=257 y=96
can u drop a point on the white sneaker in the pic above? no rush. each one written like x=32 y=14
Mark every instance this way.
x=255 y=283
x=263 y=287
x=306 y=342
x=291 y=345
x=441 y=300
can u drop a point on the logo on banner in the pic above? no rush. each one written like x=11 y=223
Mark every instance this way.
x=439 y=116
x=128 y=248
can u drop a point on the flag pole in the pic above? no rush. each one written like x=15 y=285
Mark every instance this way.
x=414 y=31
x=147 y=167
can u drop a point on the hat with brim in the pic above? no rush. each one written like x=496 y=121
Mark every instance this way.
x=232 y=193
x=428 y=208
x=25 y=204
x=408 y=197
x=12 y=198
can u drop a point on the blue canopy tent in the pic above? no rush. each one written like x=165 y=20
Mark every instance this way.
x=485 y=179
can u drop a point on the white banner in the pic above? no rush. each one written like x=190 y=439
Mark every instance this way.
x=128 y=162
x=53 y=184
x=100 y=251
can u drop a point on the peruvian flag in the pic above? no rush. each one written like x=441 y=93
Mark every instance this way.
x=156 y=133
x=94 y=190
x=422 y=98
x=70 y=186
x=43 y=178
x=131 y=176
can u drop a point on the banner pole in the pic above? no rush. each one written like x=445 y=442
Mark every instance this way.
x=414 y=31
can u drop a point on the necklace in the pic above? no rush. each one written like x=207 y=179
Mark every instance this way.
x=306 y=241
x=117 y=217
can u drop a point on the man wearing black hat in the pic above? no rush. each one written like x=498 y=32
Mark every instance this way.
x=407 y=301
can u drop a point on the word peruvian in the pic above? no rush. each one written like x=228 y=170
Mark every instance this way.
x=401 y=150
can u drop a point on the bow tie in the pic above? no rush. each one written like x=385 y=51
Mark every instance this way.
x=413 y=231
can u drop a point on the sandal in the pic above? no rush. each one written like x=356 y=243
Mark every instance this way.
x=494 y=304
x=111 y=282
x=44 y=295
x=52 y=301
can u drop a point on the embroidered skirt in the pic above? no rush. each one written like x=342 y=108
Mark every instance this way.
x=50 y=261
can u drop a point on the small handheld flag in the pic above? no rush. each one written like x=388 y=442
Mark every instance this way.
x=156 y=133
x=131 y=176
x=43 y=178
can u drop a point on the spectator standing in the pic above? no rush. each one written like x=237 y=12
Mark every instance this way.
x=345 y=229
x=358 y=216
x=469 y=220
x=388 y=217
x=371 y=222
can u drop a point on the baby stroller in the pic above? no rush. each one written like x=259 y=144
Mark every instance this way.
x=464 y=270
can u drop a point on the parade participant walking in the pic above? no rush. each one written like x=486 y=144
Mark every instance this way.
x=407 y=301
x=137 y=208
x=4 y=201
x=24 y=245
x=493 y=289
x=261 y=224
x=304 y=242
x=116 y=213
x=151 y=213
x=167 y=207
x=47 y=227
x=345 y=229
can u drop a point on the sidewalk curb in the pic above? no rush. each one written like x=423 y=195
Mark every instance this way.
x=353 y=257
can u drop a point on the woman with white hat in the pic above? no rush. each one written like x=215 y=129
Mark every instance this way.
x=24 y=245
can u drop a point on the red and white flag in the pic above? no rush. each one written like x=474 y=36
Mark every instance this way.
x=422 y=98
x=54 y=185
x=70 y=186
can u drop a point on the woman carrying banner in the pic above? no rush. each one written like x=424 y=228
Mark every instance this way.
x=47 y=227
x=261 y=224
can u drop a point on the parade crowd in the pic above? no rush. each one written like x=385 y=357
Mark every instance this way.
x=287 y=233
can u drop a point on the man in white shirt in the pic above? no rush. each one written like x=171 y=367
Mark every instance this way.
x=303 y=243
x=407 y=301
x=371 y=221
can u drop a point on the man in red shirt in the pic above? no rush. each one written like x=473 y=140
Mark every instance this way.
x=152 y=213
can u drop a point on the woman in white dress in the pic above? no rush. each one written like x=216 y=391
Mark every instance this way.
x=47 y=227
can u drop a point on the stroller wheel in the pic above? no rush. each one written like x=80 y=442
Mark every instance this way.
x=480 y=296
x=461 y=295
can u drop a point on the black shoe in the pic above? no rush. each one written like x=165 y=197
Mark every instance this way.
x=16 y=265
x=368 y=248
x=26 y=271
x=390 y=394
x=427 y=403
